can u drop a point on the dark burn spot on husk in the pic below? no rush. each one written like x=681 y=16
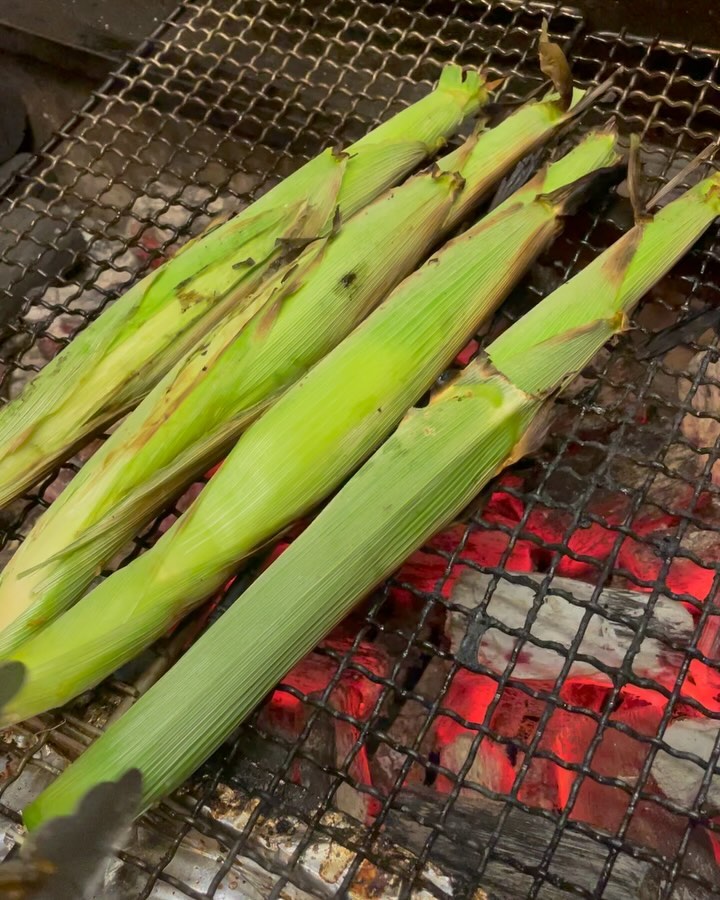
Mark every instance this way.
x=348 y=279
x=290 y=245
x=622 y=254
x=268 y=319
x=337 y=221
x=189 y=298
x=289 y=273
x=181 y=285
x=244 y=262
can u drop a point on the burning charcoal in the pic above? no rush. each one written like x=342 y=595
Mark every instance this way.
x=645 y=559
x=426 y=570
x=594 y=541
x=354 y=695
x=490 y=765
x=680 y=779
x=477 y=639
x=469 y=351
x=406 y=727
x=619 y=755
x=497 y=758
x=471 y=822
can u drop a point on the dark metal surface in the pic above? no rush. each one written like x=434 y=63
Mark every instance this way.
x=222 y=101
x=88 y=36
x=678 y=20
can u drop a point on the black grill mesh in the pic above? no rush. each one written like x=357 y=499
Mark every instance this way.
x=226 y=98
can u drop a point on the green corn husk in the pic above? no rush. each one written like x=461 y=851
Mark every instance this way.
x=309 y=441
x=109 y=367
x=202 y=405
x=424 y=475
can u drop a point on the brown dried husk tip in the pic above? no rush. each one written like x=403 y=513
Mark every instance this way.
x=636 y=183
x=554 y=64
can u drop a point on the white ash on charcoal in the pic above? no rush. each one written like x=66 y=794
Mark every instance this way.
x=709 y=640
x=680 y=778
x=703 y=543
x=31 y=780
x=111 y=267
x=477 y=636
x=157 y=224
x=151 y=840
x=160 y=216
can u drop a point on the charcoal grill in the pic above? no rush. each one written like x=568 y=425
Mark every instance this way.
x=222 y=101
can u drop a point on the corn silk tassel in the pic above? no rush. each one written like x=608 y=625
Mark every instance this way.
x=305 y=445
x=110 y=366
x=201 y=406
x=421 y=477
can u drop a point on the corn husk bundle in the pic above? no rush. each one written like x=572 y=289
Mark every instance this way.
x=111 y=366
x=419 y=479
x=243 y=364
x=305 y=445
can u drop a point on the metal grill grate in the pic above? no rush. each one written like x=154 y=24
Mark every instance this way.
x=225 y=99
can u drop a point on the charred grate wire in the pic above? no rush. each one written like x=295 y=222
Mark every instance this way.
x=227 y=97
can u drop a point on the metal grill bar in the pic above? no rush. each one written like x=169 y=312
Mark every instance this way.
x=223 y=100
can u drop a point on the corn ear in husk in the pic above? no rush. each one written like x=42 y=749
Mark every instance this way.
x=421 y=477
x=111 y=365
x=305 y=445
x=240 y=367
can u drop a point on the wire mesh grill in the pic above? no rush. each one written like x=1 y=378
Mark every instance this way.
x=340 y=785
